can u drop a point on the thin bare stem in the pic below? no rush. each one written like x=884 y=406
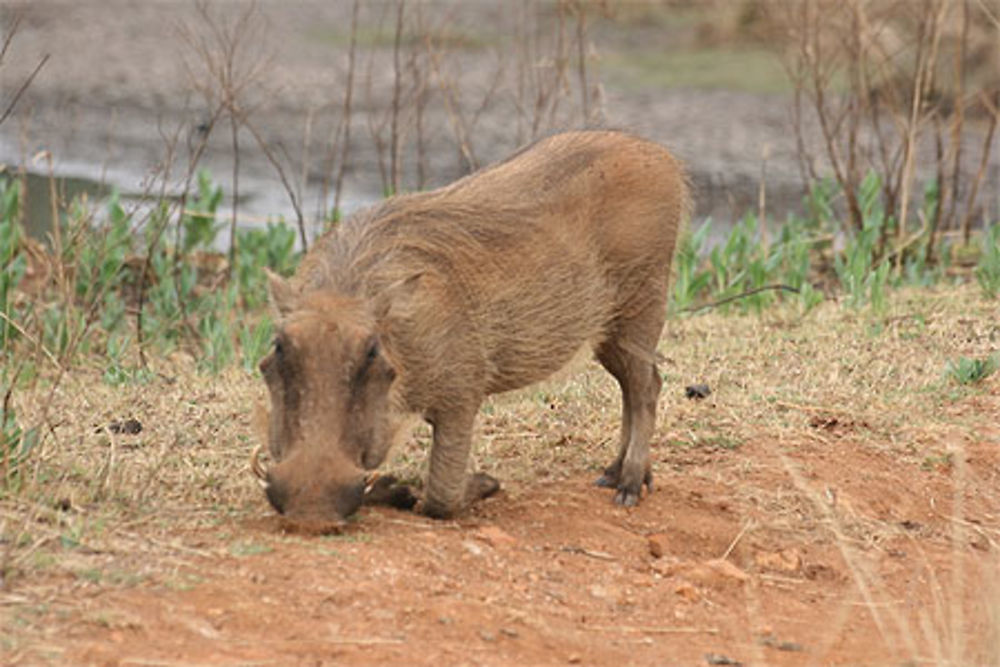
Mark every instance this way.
x=581 y=64
x=346 y=114
x=23 y=87
x=235 y=134
x=394 y=141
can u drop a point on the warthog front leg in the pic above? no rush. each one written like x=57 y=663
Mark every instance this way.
x=449 y=487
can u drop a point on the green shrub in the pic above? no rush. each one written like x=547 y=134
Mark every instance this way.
x=988 y=267
x=690 y=280
x=970 y=371
x=862 y=272
x=16 y=443
x=13 y=264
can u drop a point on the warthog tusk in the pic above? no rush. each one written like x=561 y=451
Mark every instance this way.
x=257 y=468
x=370 y=482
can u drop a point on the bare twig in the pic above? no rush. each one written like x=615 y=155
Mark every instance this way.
x=235 y=135
x=599 y=555
x=24 y=85
x=580 y=9
x=8 y=38
x=742 y=295
x=394 y=140
x=345 y=117
x=279 y=168
x=983 y=164
x=657 y=629
x=736 y=540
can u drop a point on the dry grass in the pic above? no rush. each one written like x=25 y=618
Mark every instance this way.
x=814 y=400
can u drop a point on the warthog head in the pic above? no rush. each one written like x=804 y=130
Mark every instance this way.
x=331 y=417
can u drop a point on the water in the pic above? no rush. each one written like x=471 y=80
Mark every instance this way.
x=260 y=202
x=37 y=201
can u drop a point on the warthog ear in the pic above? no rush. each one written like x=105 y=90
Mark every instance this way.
x=280 y=293
x=396 y=291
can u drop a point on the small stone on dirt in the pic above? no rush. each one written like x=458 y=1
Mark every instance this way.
x=820 y=572
x=786 y=560
x=658 y=545
x=687 y=591
x=495 y=536
x=774 y=642
x=725 y=568
x=130 y=426
x=717 y=572
x=719 y=659
x=697 y=391
x=472 y=548
x=487 y=636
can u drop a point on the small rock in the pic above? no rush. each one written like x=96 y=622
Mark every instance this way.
x=790 y=646
x=600 y=592
x=719 y=659
x=487 y=636
x=130 y=426
x=773 y=642
x=509 y=632
x=472 y=548
x=697 y=391
x=727 y=569
x=786 y=560
x=574 y=659
x=687 y=591
x=495 y=536
x=821 y=572
x=717 y=572
x=658 y=545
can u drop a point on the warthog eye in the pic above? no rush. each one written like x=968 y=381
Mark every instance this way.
x=279 y=348
x=371 y=354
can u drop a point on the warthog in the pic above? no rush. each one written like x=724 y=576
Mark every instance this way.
x=429 y=302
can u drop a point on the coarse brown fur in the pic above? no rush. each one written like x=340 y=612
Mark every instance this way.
x=429 y=302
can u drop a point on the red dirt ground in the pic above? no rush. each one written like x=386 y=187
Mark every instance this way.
x=556 y=574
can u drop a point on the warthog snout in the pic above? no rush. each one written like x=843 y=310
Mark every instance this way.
x=295 y=490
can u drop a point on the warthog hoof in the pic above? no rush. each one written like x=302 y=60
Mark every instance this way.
x=628 y=494
x=481 y=486
x=610 y=477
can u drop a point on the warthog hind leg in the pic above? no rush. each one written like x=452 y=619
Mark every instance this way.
x=640 y=384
